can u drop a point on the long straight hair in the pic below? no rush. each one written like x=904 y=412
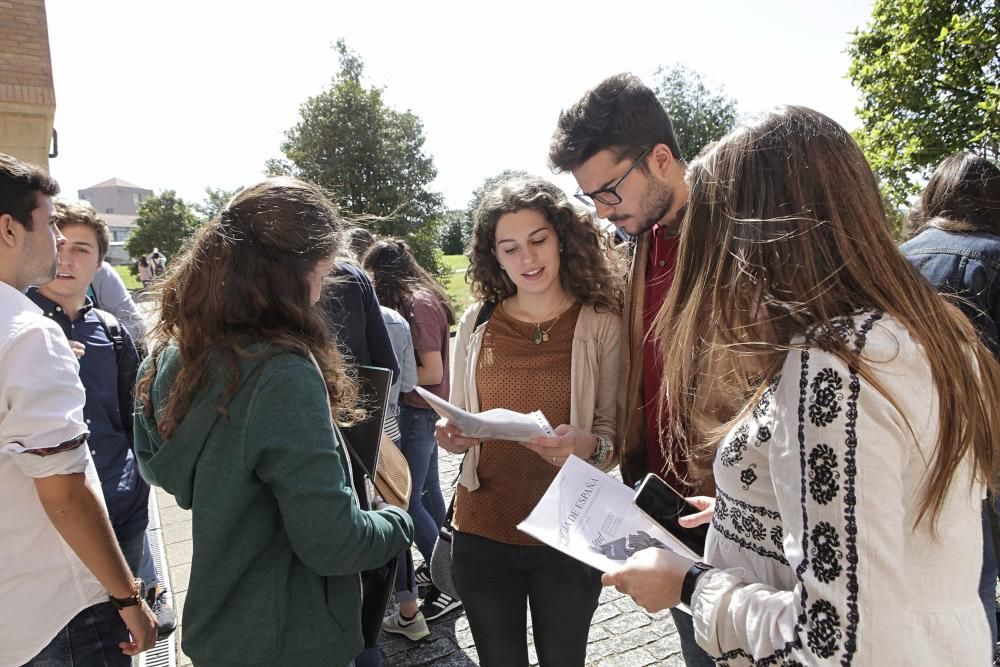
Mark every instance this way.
x=785 y=231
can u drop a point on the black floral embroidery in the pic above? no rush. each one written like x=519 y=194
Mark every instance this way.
x=721 y=508
x=753 y=527
x=763 y=434
x=826 y=389
x=824 y=632
x=826 y=554
x=765 y=399
x=748 y=476
x=778 y=537
x=733 y=451
x=823 y=474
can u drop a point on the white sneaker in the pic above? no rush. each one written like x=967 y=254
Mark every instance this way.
x=414 y=629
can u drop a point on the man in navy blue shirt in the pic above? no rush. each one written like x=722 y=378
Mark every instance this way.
x=108 y=365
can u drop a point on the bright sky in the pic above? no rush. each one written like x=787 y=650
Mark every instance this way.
x=193 y=93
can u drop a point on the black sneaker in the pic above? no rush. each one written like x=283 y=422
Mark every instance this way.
x=437 y=604
x=422 y=575
x=166 y=619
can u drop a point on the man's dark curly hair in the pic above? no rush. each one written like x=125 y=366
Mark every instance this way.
x=591 y=267
x=621 y=114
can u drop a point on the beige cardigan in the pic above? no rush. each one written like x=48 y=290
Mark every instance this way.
x=593 y=377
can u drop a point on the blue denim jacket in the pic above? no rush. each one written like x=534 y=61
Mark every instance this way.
x=966 y=264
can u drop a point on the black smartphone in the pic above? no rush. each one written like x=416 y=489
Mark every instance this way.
x=661 y=503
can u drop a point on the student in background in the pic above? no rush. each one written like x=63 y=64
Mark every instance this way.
x=551 y=343
x=404 y=286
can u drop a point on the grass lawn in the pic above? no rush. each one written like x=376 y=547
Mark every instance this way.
x=131 y=282
x=454 y=283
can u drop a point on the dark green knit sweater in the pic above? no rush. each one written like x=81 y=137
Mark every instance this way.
x=278 y=534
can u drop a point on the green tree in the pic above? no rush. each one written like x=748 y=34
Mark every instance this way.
x=164 y=222
x=370 y=157
x=699 y=114
x=454 y=236
x=215 y=200
x=929 y=76
x=489 y=184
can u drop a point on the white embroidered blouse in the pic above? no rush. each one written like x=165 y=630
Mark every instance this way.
x=818 y=559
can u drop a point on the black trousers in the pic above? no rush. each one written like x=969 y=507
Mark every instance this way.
x=498 y=582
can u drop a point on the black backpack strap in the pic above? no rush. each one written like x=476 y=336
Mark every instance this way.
x=112 y=328
x=484 y=313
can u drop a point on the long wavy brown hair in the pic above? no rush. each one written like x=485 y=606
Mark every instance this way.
x=242 y=281
x=785 y=231
x=591 y=267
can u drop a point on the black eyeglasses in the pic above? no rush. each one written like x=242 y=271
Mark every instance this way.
x=609 y=196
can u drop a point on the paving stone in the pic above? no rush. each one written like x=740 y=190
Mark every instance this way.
x=176 y=532
x=172 y=515
x=635 y=658
x=665 y=647
x=626 y=622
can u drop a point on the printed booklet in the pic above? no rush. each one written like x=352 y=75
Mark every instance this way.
x=589 y=515
x=496 y=424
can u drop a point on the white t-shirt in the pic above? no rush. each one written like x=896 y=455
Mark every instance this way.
x=43 y=584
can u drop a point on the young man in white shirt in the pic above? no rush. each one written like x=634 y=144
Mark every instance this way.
x=61 y=572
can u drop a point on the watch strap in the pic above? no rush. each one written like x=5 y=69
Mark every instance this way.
x=691 y=580
x=133 y=599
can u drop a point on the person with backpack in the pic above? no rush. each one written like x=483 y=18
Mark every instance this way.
x=108 y=363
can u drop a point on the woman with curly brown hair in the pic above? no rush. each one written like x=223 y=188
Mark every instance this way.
x=551 y=343
x=235 y=410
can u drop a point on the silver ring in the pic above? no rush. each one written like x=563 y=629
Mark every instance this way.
x=553 y=459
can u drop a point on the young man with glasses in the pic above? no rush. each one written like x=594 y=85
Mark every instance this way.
x=618 y=142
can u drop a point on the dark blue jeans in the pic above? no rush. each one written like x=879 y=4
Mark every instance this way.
x=90 y=638
x=139 y=558
x=497 y=581
x=420 y=449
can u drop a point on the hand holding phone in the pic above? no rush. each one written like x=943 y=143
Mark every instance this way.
x=664 y=505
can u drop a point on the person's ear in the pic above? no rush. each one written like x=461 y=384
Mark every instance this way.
x=8 y=233
x=660 y=159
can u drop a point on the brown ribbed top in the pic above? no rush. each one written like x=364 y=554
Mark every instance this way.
x=514 y=373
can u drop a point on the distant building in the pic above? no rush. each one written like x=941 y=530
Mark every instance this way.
x=27 y=96
x=116 y=201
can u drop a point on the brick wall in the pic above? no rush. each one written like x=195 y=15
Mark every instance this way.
x=27 y=96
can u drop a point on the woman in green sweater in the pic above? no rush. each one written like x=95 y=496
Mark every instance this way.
x=234 y=411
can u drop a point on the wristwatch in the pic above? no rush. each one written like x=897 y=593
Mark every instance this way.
x=691 y=580
x=601 y=451
x=132 y=600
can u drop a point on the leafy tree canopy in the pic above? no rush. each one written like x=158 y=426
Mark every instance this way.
x=370 y=157
x=453 y=237
x=929 y=76
x=164 y=222
x=215 y=200
x=699 y=114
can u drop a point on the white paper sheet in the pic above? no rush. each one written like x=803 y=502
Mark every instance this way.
x=496 y=424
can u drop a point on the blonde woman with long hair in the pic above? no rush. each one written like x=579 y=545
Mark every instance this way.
x=850 y=408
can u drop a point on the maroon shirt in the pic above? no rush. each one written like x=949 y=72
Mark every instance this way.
x=429 y=328
x=659 y=277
